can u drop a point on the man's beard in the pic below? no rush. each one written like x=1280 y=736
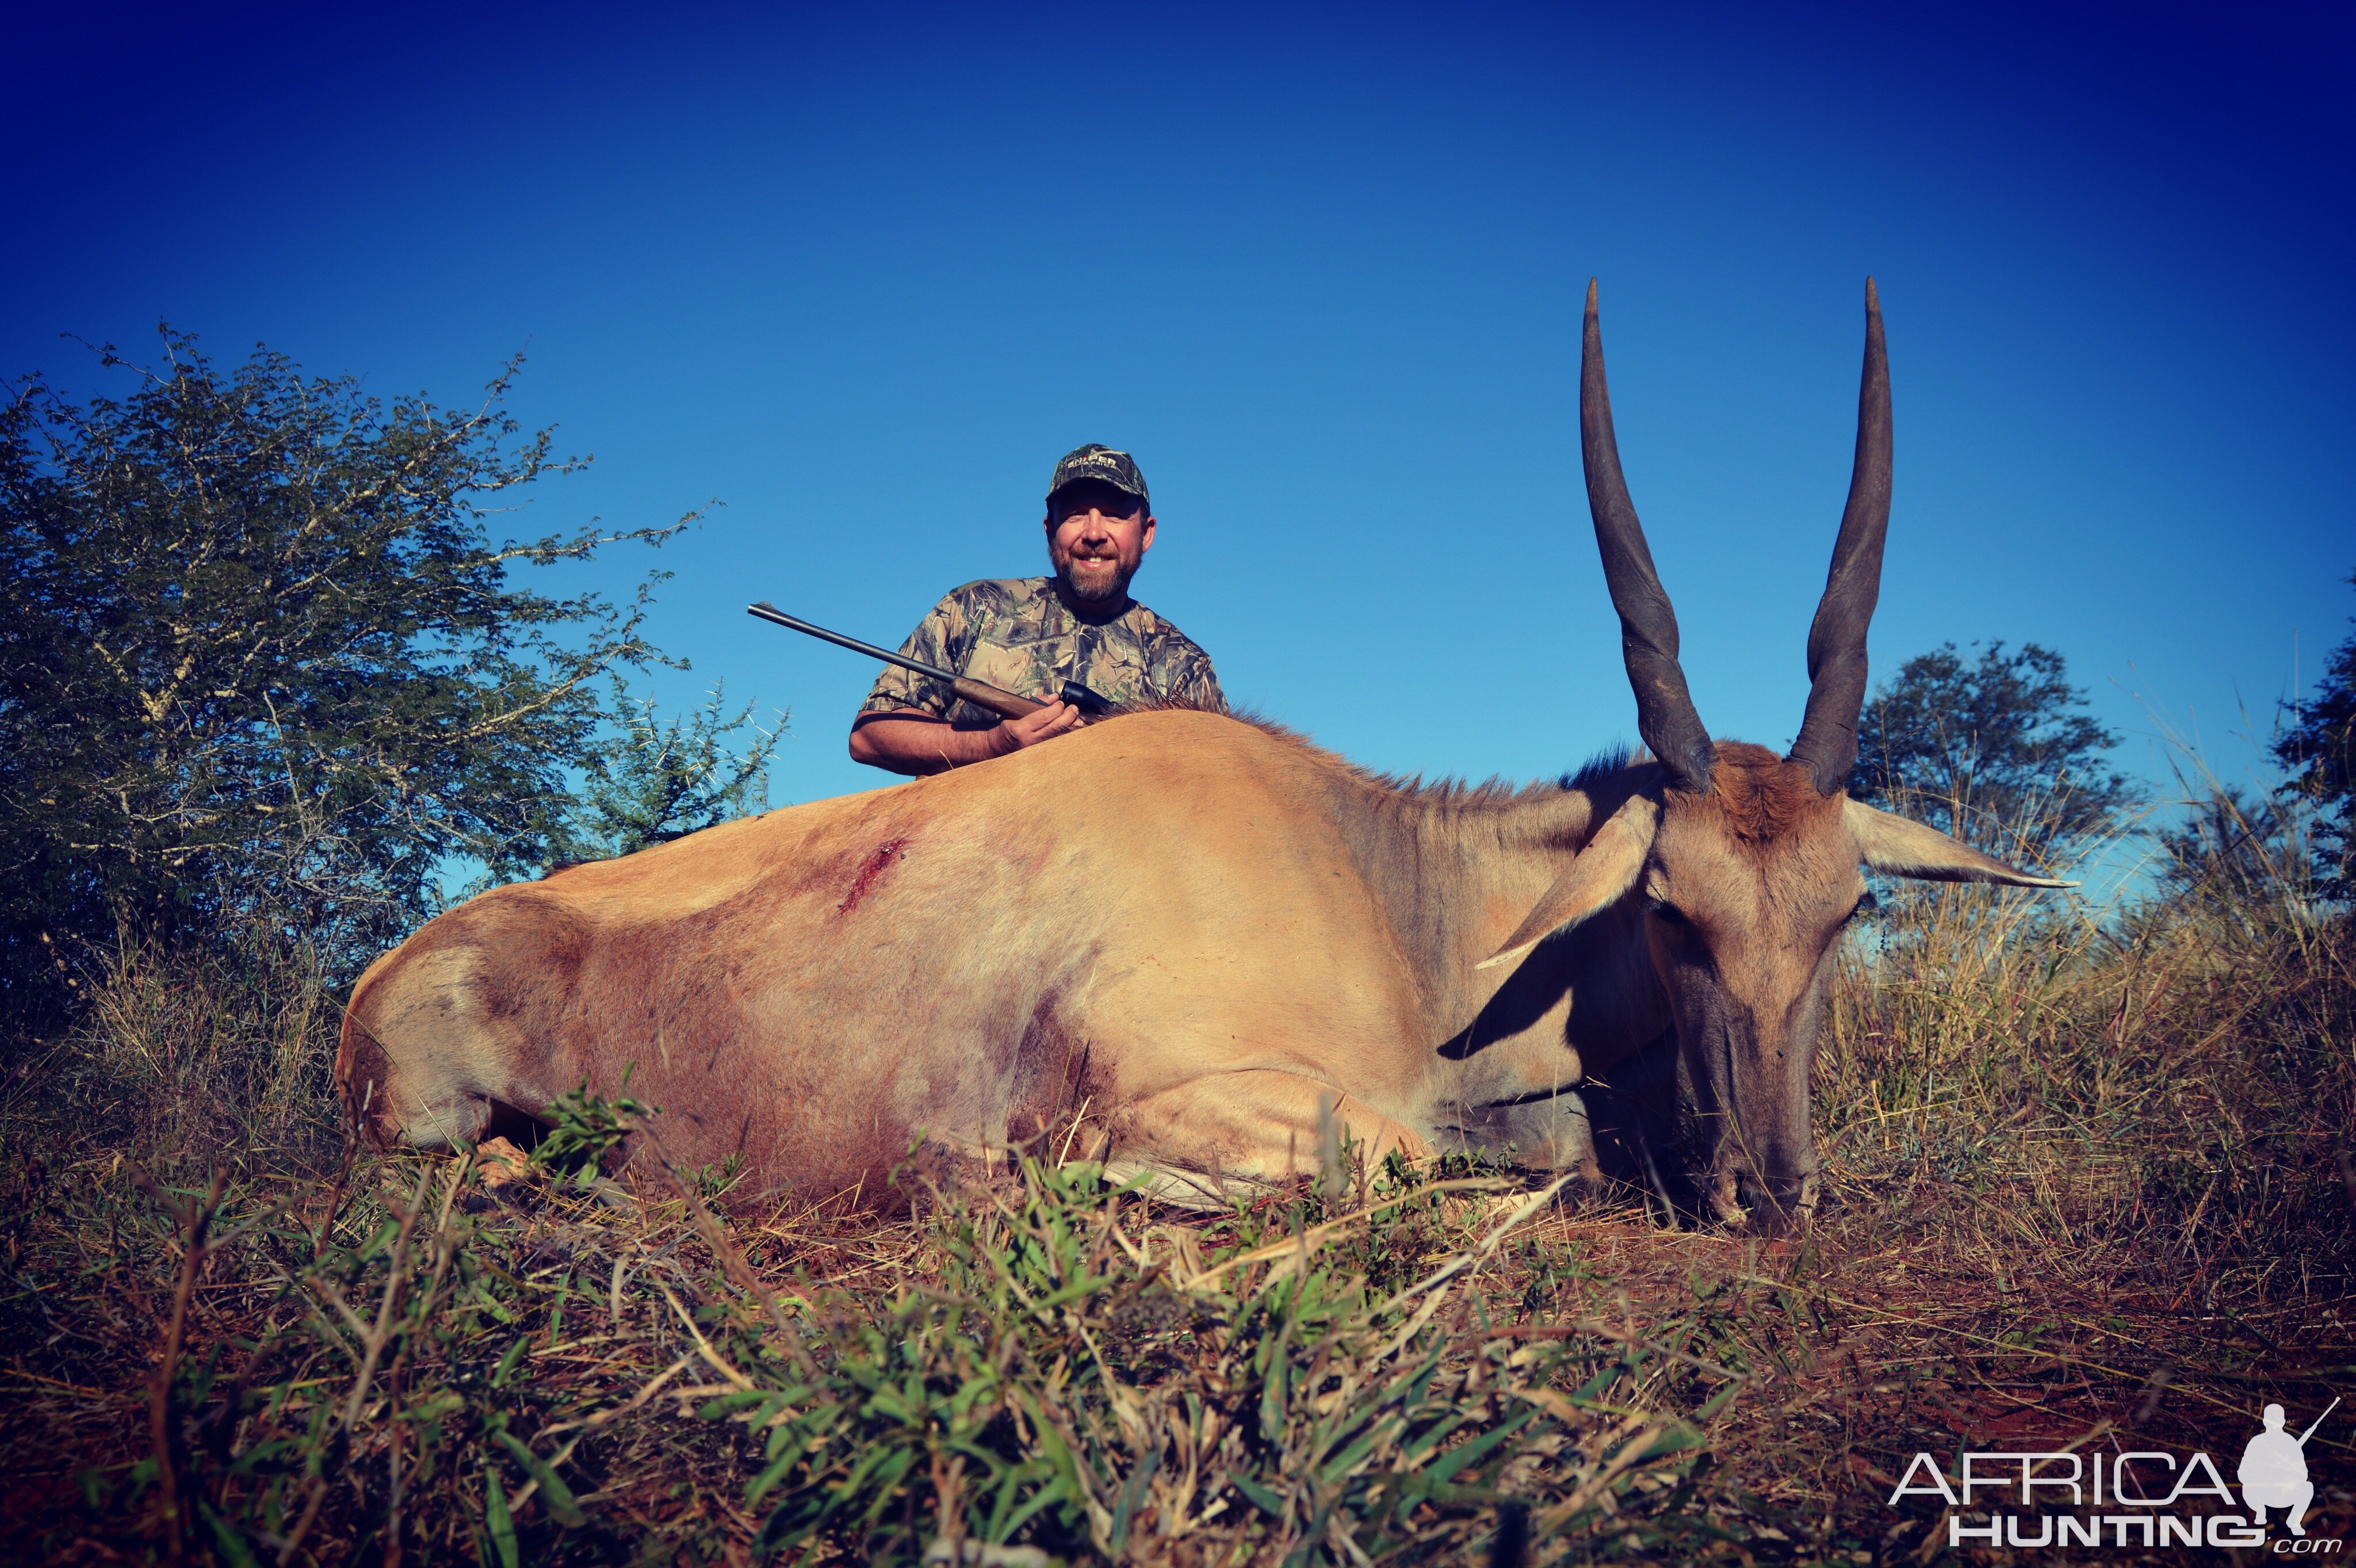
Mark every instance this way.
x=1104 y=590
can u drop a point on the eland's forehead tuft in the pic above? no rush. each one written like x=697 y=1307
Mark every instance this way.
x=1762 y=798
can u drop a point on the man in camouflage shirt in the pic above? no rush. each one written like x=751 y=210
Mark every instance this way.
x=1030 y=635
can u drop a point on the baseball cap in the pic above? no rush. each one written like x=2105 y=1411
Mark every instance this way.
x=1102 y=465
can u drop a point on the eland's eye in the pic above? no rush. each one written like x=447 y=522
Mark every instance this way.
x=1669 y=913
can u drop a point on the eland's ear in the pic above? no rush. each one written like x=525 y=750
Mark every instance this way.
x=1902 y=848
x=1603 y=872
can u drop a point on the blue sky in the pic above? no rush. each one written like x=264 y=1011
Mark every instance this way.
x=863 y=278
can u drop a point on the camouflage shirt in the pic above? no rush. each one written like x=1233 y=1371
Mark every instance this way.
x=1015 y=633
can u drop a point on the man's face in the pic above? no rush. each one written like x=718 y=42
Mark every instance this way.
x=1097 y=536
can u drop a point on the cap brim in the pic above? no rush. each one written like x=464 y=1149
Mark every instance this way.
x=1138 y=496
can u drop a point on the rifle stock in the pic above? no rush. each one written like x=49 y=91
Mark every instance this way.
x=998 y=700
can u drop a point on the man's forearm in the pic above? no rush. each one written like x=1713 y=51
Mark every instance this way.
x=919 y=744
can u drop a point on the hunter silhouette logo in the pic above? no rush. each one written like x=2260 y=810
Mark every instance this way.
x=2274 y=1470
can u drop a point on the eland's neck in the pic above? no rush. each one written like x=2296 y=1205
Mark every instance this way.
x=1455 y=870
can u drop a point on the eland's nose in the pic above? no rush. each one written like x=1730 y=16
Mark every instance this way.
x=1780 y=1204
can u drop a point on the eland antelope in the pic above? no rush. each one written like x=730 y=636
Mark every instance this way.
x=1196 y=942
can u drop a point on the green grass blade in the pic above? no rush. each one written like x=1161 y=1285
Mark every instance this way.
x=561 y=1504
x=497 y=1523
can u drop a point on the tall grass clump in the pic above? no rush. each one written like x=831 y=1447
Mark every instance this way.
x=189 y=1056
x=2173 y=1076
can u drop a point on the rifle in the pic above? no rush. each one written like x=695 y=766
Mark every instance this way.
x=980 y=693
x=2318 y=1422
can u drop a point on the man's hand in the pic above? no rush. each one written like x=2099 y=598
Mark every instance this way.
x=1057 y=717
x=917 y=743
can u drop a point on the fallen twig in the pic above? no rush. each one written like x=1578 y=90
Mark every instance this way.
x=194 y=1223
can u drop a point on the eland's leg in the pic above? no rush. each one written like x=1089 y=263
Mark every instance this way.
x=1257 y=1124
x=1552 y=1133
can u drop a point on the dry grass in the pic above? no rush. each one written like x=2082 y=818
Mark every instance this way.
x=2091 y=1187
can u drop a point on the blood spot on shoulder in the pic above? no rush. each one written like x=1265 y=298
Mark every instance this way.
x=870 y=871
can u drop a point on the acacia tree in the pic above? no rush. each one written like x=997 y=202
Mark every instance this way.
x=262 y=659
x=2319 y=750
x=655 y=781
x=1995 y=750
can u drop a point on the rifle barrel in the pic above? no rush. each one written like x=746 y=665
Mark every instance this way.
x=769 y=612
x=2318 y=1420
x=980 y=693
